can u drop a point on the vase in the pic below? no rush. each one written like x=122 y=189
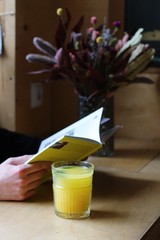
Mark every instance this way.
x=88 y=106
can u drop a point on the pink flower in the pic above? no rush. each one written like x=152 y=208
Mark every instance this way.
x=95 y=34
x=59 y=56
x=121 y=42
x=93 y=20
x=116 y=24
x=90 y=30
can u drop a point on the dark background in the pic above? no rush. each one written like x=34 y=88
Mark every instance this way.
x=144 y=14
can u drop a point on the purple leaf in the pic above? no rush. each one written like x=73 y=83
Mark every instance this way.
x=78 y=25
x=61 y=32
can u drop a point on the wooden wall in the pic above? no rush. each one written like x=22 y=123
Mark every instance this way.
x=136 y=107
x=7 y=67
x=33 y=18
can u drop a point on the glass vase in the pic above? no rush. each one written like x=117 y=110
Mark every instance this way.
x=88 y=106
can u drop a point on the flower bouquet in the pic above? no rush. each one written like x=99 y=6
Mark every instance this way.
x=97 y=64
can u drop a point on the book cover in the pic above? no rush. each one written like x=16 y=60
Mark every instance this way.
x=75 y=142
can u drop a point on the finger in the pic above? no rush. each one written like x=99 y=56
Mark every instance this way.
x=24 y=196
x=17 y=160
x=33 y=177
x=36 y=167
x=27 y=169
x=41 y=176
x=28 y=189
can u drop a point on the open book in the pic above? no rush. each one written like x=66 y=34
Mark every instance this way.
x=75 y=142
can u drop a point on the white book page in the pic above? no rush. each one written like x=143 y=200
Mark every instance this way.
x=87 y=127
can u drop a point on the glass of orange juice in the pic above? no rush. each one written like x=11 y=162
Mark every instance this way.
x=72 y=188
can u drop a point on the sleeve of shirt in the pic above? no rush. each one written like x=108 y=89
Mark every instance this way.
x=14 y=144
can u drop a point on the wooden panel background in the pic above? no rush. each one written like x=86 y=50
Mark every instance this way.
x=33 y=18
x=7 y=67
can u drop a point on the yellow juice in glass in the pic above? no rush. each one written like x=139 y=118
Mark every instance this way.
x=72 y=186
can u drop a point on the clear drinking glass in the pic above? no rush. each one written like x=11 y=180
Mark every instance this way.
x=72 y=187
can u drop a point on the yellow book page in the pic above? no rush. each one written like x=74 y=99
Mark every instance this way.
x=69 y=148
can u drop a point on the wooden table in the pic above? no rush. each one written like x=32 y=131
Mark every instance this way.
x=125 y=203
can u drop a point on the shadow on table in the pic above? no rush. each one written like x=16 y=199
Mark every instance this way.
x=44 y=193
x=95 y=214
x=112 y=186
